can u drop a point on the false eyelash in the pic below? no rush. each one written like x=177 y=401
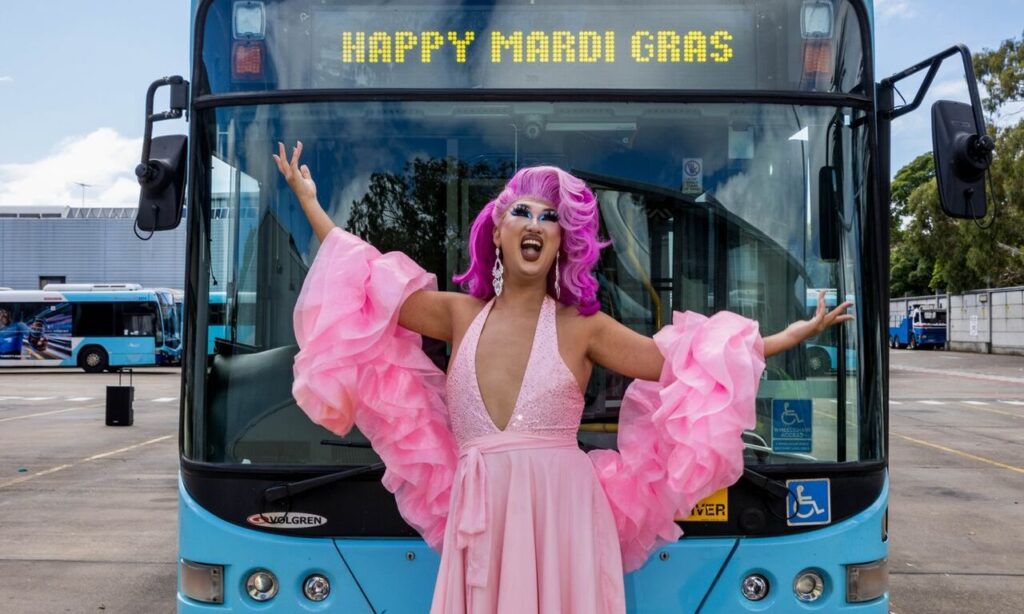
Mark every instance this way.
x=522 y=210
x=549 y=215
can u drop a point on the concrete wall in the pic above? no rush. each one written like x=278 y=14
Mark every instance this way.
x=986 y=321
x=100 y=250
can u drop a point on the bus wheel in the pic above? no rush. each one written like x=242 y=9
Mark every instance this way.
x=817 y=361
x=92 y=359
x=892 y=343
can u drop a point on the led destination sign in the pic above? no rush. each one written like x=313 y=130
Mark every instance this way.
x=668 y=47
x=536 y=47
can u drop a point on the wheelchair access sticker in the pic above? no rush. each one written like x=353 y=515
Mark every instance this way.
x=792 y=425
x=809 y=502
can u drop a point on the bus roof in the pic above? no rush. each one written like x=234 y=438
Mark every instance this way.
x=92 y=287
x=72 y=296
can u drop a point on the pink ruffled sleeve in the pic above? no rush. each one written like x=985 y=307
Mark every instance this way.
x=680 y=437
x=356 y=365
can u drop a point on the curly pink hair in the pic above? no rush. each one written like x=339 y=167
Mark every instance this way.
x=580 y=249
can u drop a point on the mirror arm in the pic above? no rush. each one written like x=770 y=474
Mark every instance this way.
x=179 y=97
x=933 y=64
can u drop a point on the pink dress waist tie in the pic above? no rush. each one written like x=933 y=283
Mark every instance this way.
x=470 y=504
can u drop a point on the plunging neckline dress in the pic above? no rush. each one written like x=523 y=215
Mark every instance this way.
x=531 y=527
x=525 y=521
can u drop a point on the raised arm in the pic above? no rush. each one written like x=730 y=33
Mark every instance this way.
x=802 y=330
x=425 y=312
x=619 y=348
x=301 y=182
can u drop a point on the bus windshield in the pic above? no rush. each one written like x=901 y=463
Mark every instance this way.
x=708 y=206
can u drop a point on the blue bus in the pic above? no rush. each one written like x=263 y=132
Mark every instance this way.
x=740 y=155
x=222 y=311
x=96 y=330
x=822 y=352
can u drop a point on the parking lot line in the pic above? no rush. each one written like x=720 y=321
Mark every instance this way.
x=992 y=411
x=50 y=413
x=961 y=453
x=33 y=476
x=125 y=449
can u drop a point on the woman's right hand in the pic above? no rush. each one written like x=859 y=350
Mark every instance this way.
x=301 y=182
x=298 y=177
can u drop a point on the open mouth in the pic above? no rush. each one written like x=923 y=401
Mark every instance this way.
x=531 y=246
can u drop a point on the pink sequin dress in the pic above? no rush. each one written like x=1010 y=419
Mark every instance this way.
x=524 y=520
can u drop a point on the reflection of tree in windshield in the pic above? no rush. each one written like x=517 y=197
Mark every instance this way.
x=406 y=211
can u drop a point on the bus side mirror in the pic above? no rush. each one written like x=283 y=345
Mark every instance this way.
x=829 y=204
x=162 y=183
x=962 y=156
x=161 y=172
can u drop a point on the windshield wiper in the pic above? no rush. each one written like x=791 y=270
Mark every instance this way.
x=773 y=487
x=284 y=491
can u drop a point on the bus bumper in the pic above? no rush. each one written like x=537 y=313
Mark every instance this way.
x=204 y=538
x=396 y=575
x=827 y=550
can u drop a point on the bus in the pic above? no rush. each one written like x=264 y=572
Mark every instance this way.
x=822 y=351
x=224 y=309
x=739 y=152
x=95 y=329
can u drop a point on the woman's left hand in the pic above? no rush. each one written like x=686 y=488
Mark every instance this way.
x=800 y=331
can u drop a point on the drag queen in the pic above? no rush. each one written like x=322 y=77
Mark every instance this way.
x=483 y=460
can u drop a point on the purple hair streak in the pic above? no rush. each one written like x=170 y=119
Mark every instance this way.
x=577 y=215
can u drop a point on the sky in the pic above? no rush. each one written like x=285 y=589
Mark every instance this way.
x=73 y=79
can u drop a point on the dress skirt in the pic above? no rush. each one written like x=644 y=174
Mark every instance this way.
x=547 y=542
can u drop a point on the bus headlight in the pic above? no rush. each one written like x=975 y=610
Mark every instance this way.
x=755 y=587
x=867 y=581
x=316 y=587
x=201 y=582
x=816 y=19
x=250 y=20
x=809 y=586
x=261 y=585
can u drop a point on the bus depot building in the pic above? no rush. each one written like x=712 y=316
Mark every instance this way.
x=41 y=245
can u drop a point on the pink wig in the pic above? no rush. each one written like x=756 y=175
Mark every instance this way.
x=577 y=215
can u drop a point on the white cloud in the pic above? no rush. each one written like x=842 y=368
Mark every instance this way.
x=103 y=158
x=954 y=88
x=894 y=8
x=6 y=78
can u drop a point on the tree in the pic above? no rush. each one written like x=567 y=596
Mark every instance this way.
x=1001 y=71
x=400 y=210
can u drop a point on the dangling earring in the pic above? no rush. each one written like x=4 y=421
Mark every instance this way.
x=498 y=272
x=558 y=284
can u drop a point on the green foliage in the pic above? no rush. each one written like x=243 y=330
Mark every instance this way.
x=1001 y=71
x=920 y=171
x=931 y=251
x=400 y=212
